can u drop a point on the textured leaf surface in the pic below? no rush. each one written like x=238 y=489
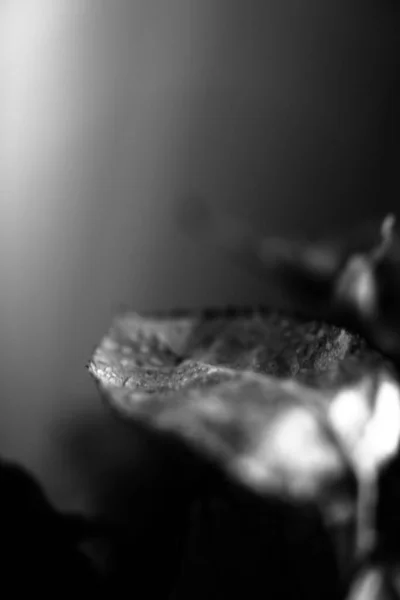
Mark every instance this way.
x=243 y=389
x=279 y=404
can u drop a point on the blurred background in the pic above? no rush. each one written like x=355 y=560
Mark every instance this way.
x=283 y=113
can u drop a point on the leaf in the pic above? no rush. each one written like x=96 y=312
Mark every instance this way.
x=300 y=436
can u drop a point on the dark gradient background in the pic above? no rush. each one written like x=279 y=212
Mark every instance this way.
x=280 y=111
